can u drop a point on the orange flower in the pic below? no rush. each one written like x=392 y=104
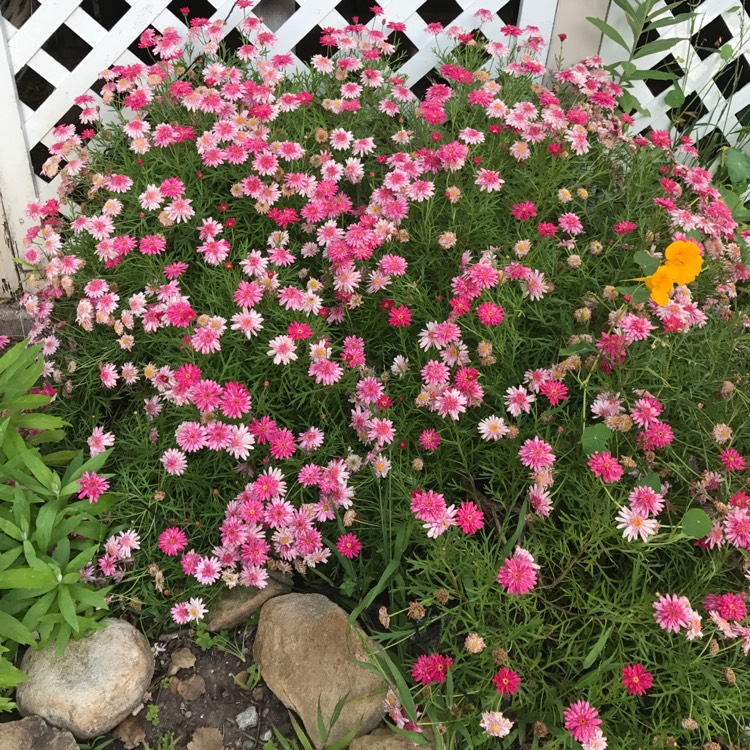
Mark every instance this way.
x=660 y=284
x=683 y=261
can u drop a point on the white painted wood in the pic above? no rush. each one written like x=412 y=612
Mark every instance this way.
x=16 y=185
x=38 y=29
x=129 y=27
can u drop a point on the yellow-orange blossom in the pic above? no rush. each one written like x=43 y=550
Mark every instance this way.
x=682 y=265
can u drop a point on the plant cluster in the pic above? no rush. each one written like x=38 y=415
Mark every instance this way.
x=399 y=347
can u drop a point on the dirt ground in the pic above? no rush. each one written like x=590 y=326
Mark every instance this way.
x=196 y=696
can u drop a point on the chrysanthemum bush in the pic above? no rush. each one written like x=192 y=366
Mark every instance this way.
x=475 y=365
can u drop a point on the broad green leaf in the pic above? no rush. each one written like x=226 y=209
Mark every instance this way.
x=40 y=422
x=595 y=438
x=10 y=676
x=67 y=607
x=738 y=165
x=671 y=21
x=674 y=98
x=39 y=609
x=627 y=102
x=598 y=648
x=655 y=75
x=646 y=262
x=45 y=522
x=61 y=555
x=19 y=353
x=652 y=481
x=12 y=630
x=638 y=294
x=8 y=558
x=26 y=578
x=608 y=31
x=696 y=523
x=89 y=597
x=726 y=52
x=659 y=45
x=28 y=401
x=61 y=642
x=9 y=528
x=36 y=466
x=31 y=557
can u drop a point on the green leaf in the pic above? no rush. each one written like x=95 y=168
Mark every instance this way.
x=45 y=522
x=89 y=597
x=659 y=45
x=11 y=530
x=696 y=523
x=39 y=609
x=61 y=642
x=8 y=558
x=655 y=75
x=652 y=481
x=627 y=102
x=726 y=52
x=646 y=262
x=674 y=98
x=595 y=438
x=67 y=607
x=12 y=630
x=26 y=578
x=36 y=466
x=27 y=401
x=608 y=31
x=40 y=422
x=19 y=354
x=638 y=294
x=738 y=165
x=671 y=21
x=598 y=647
x=581 y=346
x=31 y=558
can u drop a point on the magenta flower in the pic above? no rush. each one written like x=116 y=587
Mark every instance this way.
x=672 y=612
x=536 y=454
x=469 y=517
x=581 y=720
x=349 y=546
x=606 y=466
x=506 y=681
x=172 y=541
x=92 y=486
x=636 y=679
x=518 y=575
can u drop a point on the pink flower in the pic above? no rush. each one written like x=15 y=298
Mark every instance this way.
x=732 y=460
x=172 y=541
x=399 y=316
x=349 y=546
x=469 y=517
x=636 y=679
x=570 y=223
x=488 y=180
x=429 y=439
x=235 y=400
x=536 y=454
x=490 y=314
x=506 y=681
x=181 y=613
x=672 y=612
x=108 y=375
x=92 y=486
x=191 y=436
x=174 y=462
x=606 y=466
x=208 y=570
x=581 y=720
x=431 y=668
x=518 y=575
x=737 y=527
x=100 y=441
x=524 y=211
x=518 y=400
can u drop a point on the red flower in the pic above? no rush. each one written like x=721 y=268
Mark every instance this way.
x=507 y=681
x=349 y=546
x=399 y=316
x=636 y=679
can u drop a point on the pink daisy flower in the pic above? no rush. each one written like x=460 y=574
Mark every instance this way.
x=536 y=454
x=606 y=466
x=506 y=681
x=92 y=486
x=636 y=679
x=174 y=462
x=581 y=720
x=518 y=575
x=672 y=612
x=430 y=439
x=172 y=541
x=469 y=517
x=349 y=546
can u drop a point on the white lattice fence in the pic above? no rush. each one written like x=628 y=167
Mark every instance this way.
x=25 y=127
x=717 y=90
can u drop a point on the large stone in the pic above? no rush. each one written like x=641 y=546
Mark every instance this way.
x=307 y=659
x=33 y=733
x=233 y=606
x=383 y=739
x=97 y=682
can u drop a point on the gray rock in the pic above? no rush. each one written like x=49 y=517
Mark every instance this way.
x=32 y=733
x=97 y=682
x=307 y=658
x=234 y=606
x=247 y=719
x=383 y=739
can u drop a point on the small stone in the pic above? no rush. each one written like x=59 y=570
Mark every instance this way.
x=311 y=675
x=266 y=735
x=33 y=733
x=97 y=682
x=234 y=606
x=247 y=719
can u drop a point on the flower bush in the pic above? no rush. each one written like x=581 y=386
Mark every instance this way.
x=475 y=364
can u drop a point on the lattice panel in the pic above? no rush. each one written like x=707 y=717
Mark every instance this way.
x=717 y=91
x=47 y=79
